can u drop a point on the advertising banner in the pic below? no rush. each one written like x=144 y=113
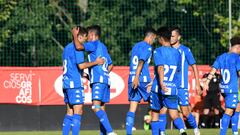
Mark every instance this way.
x=43 y=85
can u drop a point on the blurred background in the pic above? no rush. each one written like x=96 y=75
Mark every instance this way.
x=34 y=32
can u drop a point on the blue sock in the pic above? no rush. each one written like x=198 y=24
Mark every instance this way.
x=178 y=122
x=67 y=121
x=102 y=129
x=102 y=116
x=163 y=120
x=155 y=127
x=234 y=120
x=129 y=122
x=76 y=123
x=191 y=120
x=224 y=124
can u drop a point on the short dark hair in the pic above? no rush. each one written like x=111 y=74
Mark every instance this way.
x=235 y=40
x=149 y=30
x=177 y=29
x=82 y=31
x=96 y=29
x=165 y=33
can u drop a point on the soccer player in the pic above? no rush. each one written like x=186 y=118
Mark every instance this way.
x=99 y=74
x=73 y=65
x=212 y=101
x=139 y=76
x=164 y=91
x=187 y=59
x=229 y=65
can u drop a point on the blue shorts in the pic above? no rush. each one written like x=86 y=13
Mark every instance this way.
x=101 y=92
x=74 y=96
x=155 y=101
x=231 y=100
x=139 y=93
x=170 y=101
x=183 y=97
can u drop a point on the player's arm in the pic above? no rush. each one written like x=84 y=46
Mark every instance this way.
x=78 y=45
x=160 y=70
x=110 y=67
x=209 y=77
x=192 y=62
x=90 y=64
x=138 y=71
x=196 y=75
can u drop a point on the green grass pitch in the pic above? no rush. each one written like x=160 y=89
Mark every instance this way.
x=119 y=132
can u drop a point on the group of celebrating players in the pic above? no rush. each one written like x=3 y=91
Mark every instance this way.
x=165 y=92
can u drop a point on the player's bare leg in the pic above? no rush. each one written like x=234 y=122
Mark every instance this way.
x=76 y=118
x=190 y=118
x=178 y=122
x=235 y=119
x=102 y=116
x=163 y=119
x=130 y=117
x=155 y=123
x=216 y=117
x=226 y=120
x=67 y=120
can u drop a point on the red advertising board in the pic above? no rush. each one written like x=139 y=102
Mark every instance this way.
x=43 y=85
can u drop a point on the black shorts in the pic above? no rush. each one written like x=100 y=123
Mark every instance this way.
x=212 y=101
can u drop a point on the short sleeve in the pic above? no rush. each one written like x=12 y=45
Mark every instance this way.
x=89 y=46
x=189 y=57
x=109 y=59
x=216 y=63
x=238 y=64
x=79 y=57
x=145 y=53
x=179 y=64
x=157 y=57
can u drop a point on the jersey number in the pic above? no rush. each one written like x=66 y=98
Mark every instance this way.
x=105 y=65
x=64 y=66
x=225 y=75
x=135 y=62
x=167 y=69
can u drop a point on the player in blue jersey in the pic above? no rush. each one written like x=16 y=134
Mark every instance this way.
x=229 y=66
x=99 y=75
x=164 y=91
x=139 y=76
x=187 y=60
x=73 y=65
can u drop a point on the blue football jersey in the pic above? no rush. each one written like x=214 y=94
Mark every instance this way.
x=98 y=73
x=170 y=58
x=229 y=65
x=186 y=60
x=141 y=51
x=71 y=73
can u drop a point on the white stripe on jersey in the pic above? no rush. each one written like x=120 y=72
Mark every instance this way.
x=182 y=77
x=101 y=79
x=144 y=78
x=156 y=89
x=91 y=76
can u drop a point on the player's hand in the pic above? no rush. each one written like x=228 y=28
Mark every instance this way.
x=100 y=61
x=149 y=87
x=75 y=31
x=205 y=83
x=135 y=82
x=163 y=87
x=198 y=89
